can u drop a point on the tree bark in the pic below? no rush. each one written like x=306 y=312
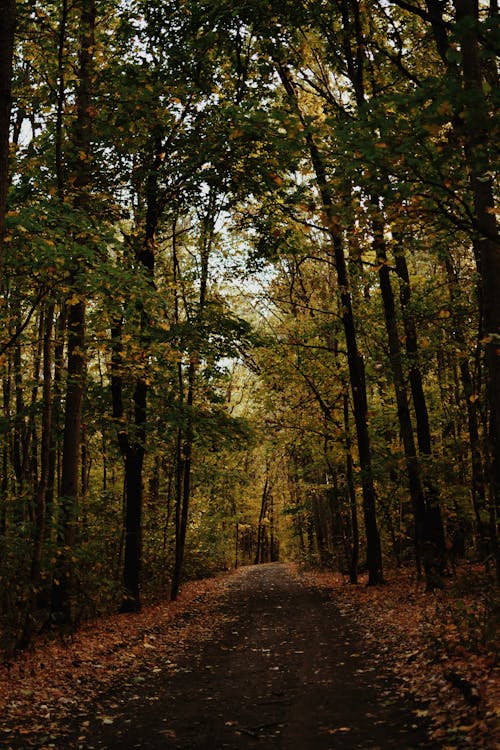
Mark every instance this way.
x=472 y=121
x=351 y=493
x=7 y=31
x=433 y=538
x=133 y=449
x=478 y=488
x=399 y=381
x=184 y=460
x=262 y=515
x=62 y=610
x=356 y=375
x=185 y=448
x=354 y=357
x=40 y=499
x=478 y=140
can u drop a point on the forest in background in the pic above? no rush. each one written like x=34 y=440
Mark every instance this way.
x=250 y=276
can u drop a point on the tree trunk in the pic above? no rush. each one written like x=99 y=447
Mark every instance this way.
x=30 y=451
x=40 y=500
x=184 y=459
x=186 y=439
x=478 y=141
x=351 y=493
x=180 y=511
x=132 y=558
x=354 y=358
x=262 y=515
x=434 y=544
x=296 y=499
x=133 y=450
x=399 y=381
x=53 y=484
x=4 y=482
x=357 y=380
x=7 y=30
x=478 y=488
x=19 y=437
x=133 y=457
x=179 y=548
x=62 y=610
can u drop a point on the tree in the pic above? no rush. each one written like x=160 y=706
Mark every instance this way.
x=355 y=360
x=76 y=307
x=464 y=52
x=225 y=223
x=478 y=133
x=7 y=26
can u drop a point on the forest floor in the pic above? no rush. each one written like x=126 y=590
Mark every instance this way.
x=268 y=656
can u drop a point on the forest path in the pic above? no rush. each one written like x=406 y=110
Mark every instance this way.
x=286 y=670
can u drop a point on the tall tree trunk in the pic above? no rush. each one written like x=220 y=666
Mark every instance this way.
x=433 y=531
x=132 y=556
x=351 y=494
x=185 y=456
x=354 y=358
x=7 y=30
x=53 y=484
x=399 y=381
x=30 y=457
x=179 y=484
x=179 y=463
x=4 y=482
x=296 y=499
x=133 y=448
x=478 y=489
x=355 y=65
x=262 y=515
x=472 y=121
x=61 y=99
x=184 y=461
x=478 y=141
x=19 y=437
x=356 y=376
x=62 y=610
x=40 y=499
x=133 y=451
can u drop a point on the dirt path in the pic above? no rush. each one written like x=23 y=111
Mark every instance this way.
x=286 y=671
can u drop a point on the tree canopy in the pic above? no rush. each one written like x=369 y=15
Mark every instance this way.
x=249 y=278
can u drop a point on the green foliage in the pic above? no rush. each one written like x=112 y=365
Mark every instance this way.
x=201 y=157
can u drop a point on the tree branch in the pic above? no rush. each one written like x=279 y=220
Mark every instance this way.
x=24 y=325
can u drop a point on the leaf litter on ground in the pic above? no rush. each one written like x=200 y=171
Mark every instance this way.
x=44 y=689
x=440 y=648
